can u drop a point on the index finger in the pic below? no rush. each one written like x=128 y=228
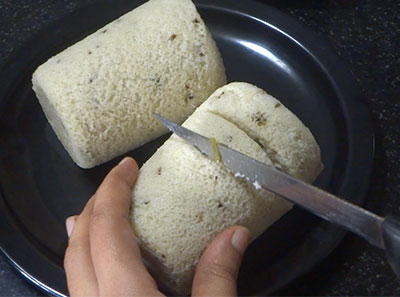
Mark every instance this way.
x=115 y=253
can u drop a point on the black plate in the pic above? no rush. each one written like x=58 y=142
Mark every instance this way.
x=40 y=185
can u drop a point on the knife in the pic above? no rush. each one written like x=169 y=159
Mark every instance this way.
x=381 y=232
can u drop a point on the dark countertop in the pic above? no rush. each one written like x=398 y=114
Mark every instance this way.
x=366 y=35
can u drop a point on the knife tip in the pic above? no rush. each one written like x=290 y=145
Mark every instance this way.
x=167 y=123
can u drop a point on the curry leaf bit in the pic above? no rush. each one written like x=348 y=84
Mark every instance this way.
x=217 y=155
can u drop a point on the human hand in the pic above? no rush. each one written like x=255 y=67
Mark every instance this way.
x=103 y=258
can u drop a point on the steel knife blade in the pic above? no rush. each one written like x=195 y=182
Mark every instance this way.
x=317 y=201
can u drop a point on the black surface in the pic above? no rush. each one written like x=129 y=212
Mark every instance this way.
x=391 y=238
x=354 y=268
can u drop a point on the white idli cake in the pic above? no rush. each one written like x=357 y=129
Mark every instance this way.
x=182 y=198
x=99 y=95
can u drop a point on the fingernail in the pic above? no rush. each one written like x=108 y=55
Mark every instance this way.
x=123 y=160
x=69 y=224
x=240 y=239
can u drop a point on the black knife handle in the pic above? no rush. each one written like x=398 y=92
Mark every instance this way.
x=391 y=239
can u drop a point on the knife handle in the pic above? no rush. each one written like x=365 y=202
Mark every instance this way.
x=391 y=239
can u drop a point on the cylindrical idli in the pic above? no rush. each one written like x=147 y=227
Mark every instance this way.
x=99 y=95
x=182 y=198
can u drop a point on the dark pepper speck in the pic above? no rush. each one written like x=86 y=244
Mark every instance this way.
x=259 y=118
x=220 y=95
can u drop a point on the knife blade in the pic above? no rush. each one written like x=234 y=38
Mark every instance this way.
x=381 y=232
x=318 y=201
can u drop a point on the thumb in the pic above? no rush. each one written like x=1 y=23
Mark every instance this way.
x=218 y=268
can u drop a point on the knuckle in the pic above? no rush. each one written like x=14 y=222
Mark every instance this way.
x=113 y=179
x=118 y=180
x=74 y=248
x=97 y=219
x=214 y=270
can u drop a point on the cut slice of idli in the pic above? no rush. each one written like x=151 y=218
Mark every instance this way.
x=183 y=198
